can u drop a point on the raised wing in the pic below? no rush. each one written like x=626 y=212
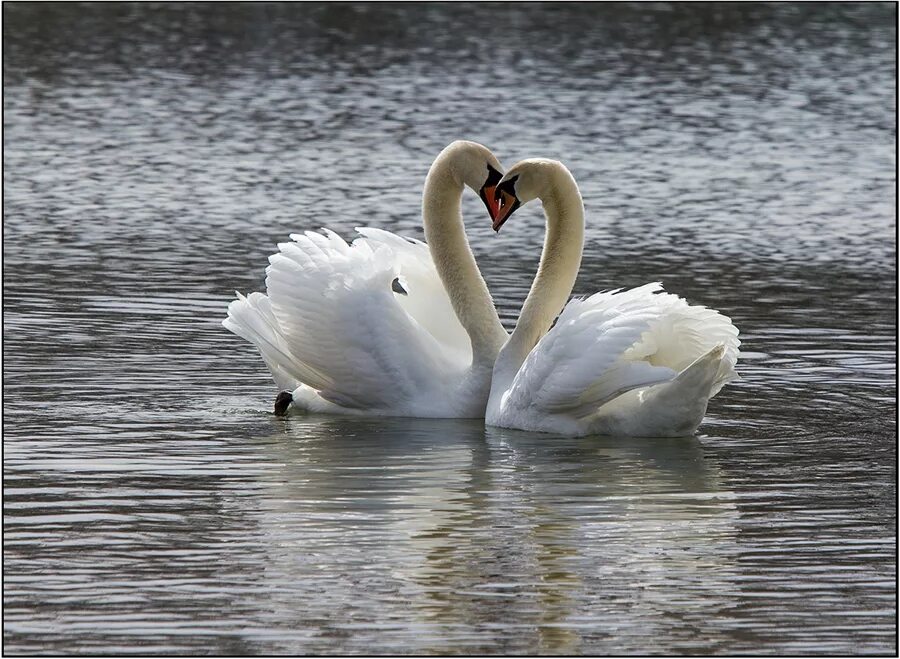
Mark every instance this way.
x=685 y=333
x=355 y=318
x=614 y=342
x=426 y=299
x=251 y=318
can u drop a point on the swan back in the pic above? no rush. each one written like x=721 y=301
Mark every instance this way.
x=587 y=373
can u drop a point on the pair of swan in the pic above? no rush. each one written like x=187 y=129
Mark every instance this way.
x=396 y=327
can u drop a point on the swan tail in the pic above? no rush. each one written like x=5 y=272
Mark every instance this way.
x=677 y=408
x=668 y=409
x=684 y=333
x=726 y=372
x=702 y=373
x=616 y=381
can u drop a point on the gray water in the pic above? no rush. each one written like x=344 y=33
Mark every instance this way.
x=153 y=156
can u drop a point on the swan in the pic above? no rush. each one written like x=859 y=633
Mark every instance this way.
x=638 y=362
x=385 y=326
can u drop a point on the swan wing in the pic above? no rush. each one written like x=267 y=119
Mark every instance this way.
x=341 y=312
x=683 y=334
x=577 y=363
x=614 y=342
x=426 y=299
x=251 y=318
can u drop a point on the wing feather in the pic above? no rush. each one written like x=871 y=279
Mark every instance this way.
x=613 y=342
x=340 y=320
x=331 y=319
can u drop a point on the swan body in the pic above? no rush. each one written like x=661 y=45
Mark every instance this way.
x=638 y=362
x=385 y=325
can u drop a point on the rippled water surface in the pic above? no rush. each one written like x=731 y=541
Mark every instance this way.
x=153 y=156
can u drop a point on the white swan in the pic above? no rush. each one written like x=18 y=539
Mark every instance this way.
x=637 y=363
x=385 y=325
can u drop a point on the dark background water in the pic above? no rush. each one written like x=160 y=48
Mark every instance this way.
x=153 y=156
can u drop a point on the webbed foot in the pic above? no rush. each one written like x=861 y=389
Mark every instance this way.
x=282 y=401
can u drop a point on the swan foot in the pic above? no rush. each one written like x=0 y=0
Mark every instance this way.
x=282 y=402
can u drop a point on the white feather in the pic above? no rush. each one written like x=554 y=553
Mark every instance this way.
x=639 y=362
x=369 y=327
x=331 y=321
x=610 y=344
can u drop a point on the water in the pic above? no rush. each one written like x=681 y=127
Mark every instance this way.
x=743 y=155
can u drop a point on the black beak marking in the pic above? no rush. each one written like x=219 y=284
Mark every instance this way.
x=493 y=178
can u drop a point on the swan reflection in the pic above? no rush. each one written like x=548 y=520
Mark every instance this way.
x=447 y=527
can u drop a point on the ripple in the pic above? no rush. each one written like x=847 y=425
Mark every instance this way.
x=154 y=156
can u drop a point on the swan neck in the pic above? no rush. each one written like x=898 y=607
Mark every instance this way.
x=456 y=266
x=557 y=271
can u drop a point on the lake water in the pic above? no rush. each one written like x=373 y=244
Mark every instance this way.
x=154 y=155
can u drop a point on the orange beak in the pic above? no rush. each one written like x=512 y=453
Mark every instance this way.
x=506 y=206
x=489 y=197
x=488 y=192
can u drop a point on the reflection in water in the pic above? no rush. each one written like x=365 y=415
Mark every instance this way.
x=645 y=517
x=743 y=154
x=481 y=532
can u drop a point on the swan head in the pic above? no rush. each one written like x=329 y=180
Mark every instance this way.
x=526 y=180
x=475 y=166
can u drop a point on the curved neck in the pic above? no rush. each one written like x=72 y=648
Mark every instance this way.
x=446 y=237
x=560 y=261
